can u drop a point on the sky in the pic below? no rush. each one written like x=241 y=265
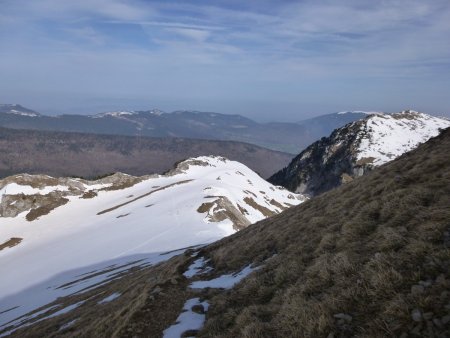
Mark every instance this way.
x=268 y=60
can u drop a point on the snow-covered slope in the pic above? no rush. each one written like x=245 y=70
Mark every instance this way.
x=383 y=137
x=125 y=113
x=355 y=148
x=17 y=109
x=56 y=225
x=356 y=112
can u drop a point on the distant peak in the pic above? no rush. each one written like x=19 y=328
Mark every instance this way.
x=156 y=112
x=122 y=113
x=358 y=112
x=115 y=113
x=409 y=111
x=17 y=109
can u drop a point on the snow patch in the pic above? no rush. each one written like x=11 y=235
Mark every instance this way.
x=54 y=314
x=67 y=325
x=387 y=136
x=15 y=189
x=22 y=113
x=188 y=319
x=114 y=114
x=172 y=222
x=110 y=298
x=64 y=310
x=69 y=283
x=357 y=112
x=197 y=267
x=224 y=281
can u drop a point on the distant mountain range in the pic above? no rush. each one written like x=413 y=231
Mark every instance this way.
x=286 y=137
x=90 y=155
x=356 y=148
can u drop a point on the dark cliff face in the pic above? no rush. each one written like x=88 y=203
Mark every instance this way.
x=325 y=164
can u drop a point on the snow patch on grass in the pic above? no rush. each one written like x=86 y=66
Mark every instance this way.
x=197 y=267
x=67 y=325
x=54 y=314
x=188 y=319
x=224 y=281
x=110 y=298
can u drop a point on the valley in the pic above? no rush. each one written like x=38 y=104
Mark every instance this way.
x=91 y=155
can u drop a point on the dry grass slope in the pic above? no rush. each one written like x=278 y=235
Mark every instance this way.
x=369 y=259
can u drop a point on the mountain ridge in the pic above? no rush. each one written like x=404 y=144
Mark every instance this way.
x=356 y=148
x=281 y=136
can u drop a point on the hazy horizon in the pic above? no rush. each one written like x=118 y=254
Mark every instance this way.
x=269 y=61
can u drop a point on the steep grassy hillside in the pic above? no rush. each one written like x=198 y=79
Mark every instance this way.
x=368 y=259
x=90 y=155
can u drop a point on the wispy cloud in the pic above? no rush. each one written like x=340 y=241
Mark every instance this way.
x=86 y=33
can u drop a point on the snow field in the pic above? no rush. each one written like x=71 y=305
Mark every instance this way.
x=75 y=239
x=389 y=136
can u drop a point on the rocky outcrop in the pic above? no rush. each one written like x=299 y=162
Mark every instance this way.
x=39 y=194
x=324 y=165
x=356 y=148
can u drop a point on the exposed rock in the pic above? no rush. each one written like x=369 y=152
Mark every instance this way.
x=89 y=194
x=428 y=315
x=221 y=209
x=445 y=319
x=11 y=243
x=198 y=309
x=157 y=290
x=182 y=166
x=416 y=315
x=45 y=209
x=417 y=329
x=320 y=166
x=425 y=283
x=48 y=193
x=441 y=279
x=345 y=317
x=437 y=322
x=417 y=289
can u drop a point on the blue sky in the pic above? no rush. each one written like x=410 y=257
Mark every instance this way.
x=269 y=60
